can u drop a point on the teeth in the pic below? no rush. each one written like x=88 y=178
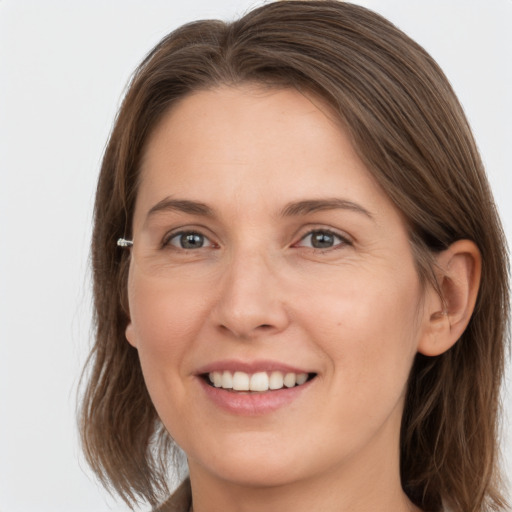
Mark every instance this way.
x=217 y=379
x=240 y=381
x=276 y=380
x=227 y=380
x=301 y=378
x=260 y=381
x=289 y=380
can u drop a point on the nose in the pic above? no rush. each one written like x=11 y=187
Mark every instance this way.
x=251 y=298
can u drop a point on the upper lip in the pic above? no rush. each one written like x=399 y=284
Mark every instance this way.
x=259 y=365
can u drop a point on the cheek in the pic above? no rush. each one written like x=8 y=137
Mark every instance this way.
x=164 y=329
x=368 y=326
x=164 y=323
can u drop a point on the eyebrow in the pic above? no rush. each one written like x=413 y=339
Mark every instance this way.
x=292 y=209
x=181 y=205
x=316 y=205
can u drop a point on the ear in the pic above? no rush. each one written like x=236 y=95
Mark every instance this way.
x=130 y=334
x=447 y=316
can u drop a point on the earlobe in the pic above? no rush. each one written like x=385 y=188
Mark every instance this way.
x=130 y=334
x=446 y=317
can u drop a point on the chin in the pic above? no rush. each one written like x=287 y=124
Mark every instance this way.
x=243 y=466
x=256 y=474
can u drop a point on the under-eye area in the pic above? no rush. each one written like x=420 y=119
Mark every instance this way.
x=256 y=382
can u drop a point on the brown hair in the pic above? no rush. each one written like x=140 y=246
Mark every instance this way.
x=410 y=130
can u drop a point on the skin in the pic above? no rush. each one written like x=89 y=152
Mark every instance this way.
x=354 y=313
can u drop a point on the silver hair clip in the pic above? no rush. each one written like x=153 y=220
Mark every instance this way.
x=122 y=242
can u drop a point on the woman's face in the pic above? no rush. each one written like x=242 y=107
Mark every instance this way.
x=264 y=254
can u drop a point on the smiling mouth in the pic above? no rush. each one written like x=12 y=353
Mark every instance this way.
x=239 y=381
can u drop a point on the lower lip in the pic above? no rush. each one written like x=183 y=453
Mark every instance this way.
x=252 y=403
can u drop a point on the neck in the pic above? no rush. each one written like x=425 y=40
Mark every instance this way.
x=323 y=496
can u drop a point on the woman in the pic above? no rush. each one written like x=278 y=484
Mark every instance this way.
x=308 y=293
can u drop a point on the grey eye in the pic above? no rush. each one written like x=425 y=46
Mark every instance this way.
x=189 y=240
x=321 y=239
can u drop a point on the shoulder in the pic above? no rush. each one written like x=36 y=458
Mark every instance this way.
x=180 y=501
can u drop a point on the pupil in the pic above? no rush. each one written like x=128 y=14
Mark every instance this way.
x=322 y=240
x=191 y=241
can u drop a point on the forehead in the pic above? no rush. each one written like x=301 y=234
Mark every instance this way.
x=259 y=146
x=246 y=119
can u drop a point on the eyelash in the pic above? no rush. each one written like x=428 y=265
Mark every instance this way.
x=341 y=240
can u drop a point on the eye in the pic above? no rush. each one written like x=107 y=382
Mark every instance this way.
x=188 y=240
x=322 y=239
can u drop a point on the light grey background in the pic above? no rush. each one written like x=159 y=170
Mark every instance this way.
x=63 y=69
